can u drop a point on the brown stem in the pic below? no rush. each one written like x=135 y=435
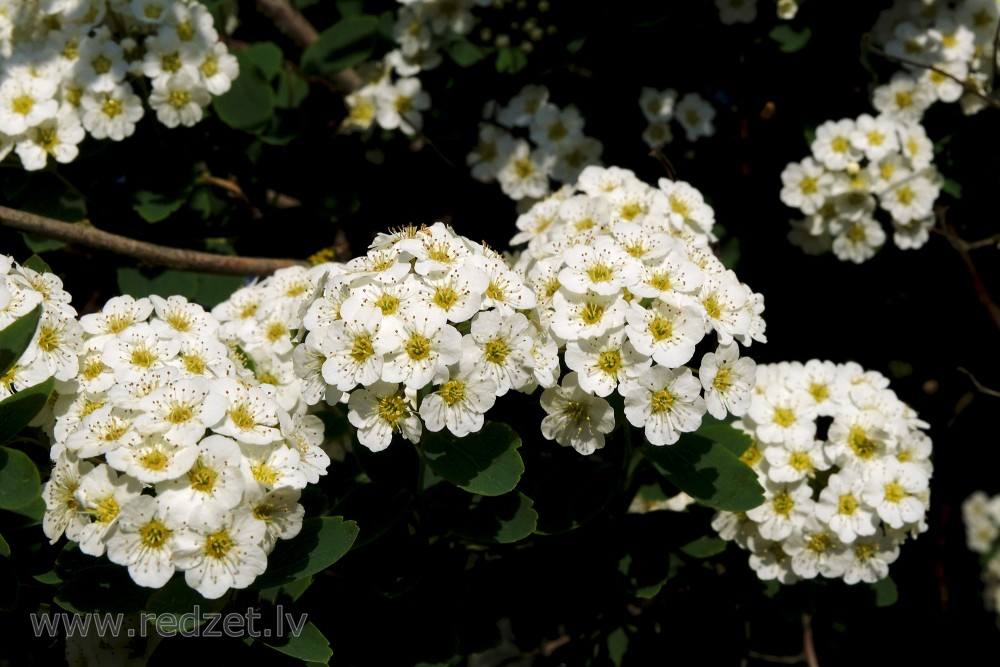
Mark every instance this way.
x=291 y=22
x=173 y=258
x=969 y=88
x=808 y=648
x=962 y=248
x=234 y=189
x=982 y=389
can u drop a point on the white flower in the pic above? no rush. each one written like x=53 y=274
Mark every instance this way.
x=399 y=105
x=181 y=411
x=459 y=403
x=665 y=403
x=605 y=363
x=526 y=172
x=214 y=473
x=657 y=105
x=896 y=491
x=25 y=101
x=842 y=507
x=252 y=415
x=498 y=347
x=378 y=411
x=418 y=348
x=179 y=99
x=695 y=115
x=728 y=380
x=220 y=549
x=62 y=509
x=101 y=494
x=575 y=418
x=145 y=537
x=832 y=146
x=279 y=511
x=111 y=114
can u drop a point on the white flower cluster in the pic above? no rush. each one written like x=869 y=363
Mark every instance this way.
x=836 y=504
x=955 y=39
x=421 y=28
x=627 y=288
x=170 y=455
x=54 y=350
x=981 y=515
x=423 y=332
x=558 y=148
x=65 y=70
x=693 y=112
x=856 y=167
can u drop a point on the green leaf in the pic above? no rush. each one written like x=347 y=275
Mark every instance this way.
x=886 y=593
x=723 y=432
x=486 y=462
x=18 y=410
x=4 y=547
x=790 y=40
x=321 y=543
x=47 y=195
x=267 y=57
x=704 y=547
x=464 y=52
x=206 y=289
x=952 y=187
x=40 y=243
x=617 y=646
x=50 y=578
x=309 y=645
x=249 y=104
x=137 y=284
x=350 y=7
x=34 y=512
x=709 y=472
x=16 y=337
x=510 y=59
x=20 y=483
x=498 y=519
x=36 y=263
x=294 y=590
x=344 y=44
x=292 y=90
x=157 y=206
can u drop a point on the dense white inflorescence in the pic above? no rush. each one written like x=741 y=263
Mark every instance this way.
x=857 y=167
x=170 y=453
x=67 y=70
x=627 y=288
x=981 y=515
x=841 y=498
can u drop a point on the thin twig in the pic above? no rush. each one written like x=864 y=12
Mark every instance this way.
x=968 y=87
x=173 y=258
x=808 y=648
x=233 y=188
x=962 y=247
x=291 y=22
x=982 y=389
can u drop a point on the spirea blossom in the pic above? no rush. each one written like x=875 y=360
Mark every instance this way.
x=627 y=288
x=423 y=333
x=981 y=516
x=838 y=502
x=66 y=72
x=858 y=167
x=172 y=450
x=555 y=147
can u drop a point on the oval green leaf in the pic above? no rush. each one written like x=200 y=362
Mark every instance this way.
x=709 y=472
x=16 y=337
x=305 y=643
x=249 y=104
x=18 y=410
x=344 y=44
x=486 y=462
x=321 y=543
x=19 y=480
